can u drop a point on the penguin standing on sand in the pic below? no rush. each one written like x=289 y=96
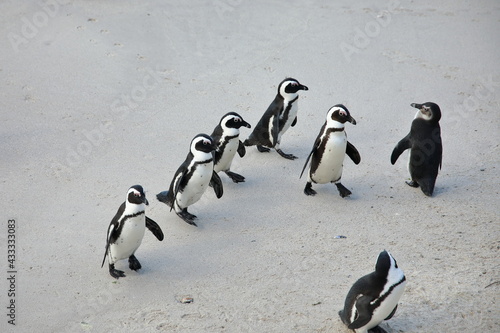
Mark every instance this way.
x=126 y=230
x=426 y=149
x=328 y=152
x=192 y=178
x=374 y=297
x=226 y=137
x=280 y=115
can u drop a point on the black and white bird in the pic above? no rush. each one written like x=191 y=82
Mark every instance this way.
x=426 y=148
x=226 y=136
x=374 y=297
x=126 y=230
x=329 y=150
x=192 y=178
x=280 y=115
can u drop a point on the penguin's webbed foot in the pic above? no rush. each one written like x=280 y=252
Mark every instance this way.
x=187 y=217
x=377 y=329
x=115 y=272
x=263 y=149
x=308 y=190
x=412 y=183
x=343 y=191
x=235 y=177
x=287 y=156
x=133 y=263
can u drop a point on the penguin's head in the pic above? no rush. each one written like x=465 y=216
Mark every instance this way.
x=385 y=263
x=136 y=195
x=233 y=120
x=339 y=114
x=202 y=143
x=289 y=87
x=428 y=111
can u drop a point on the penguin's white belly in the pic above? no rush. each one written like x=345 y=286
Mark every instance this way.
x=385 y=309
x=130 y=238
x=330 y=166
x=196 y=186
x=224 y=163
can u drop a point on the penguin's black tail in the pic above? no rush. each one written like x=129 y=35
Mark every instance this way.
x=427 y=186
x=163 y=197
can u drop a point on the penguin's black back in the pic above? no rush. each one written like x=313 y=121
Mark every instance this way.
x=426 y=151
x=260 y=135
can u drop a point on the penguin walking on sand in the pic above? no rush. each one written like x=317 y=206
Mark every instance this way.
x=192 y=178
x=126 y=230
x=328 y=152
x=426 y=149
x=374 y=297
x=226 y=137
x=280 y=115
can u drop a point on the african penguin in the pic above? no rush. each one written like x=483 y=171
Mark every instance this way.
x=328 y=152
x=280 y=115
x=192 y=178
x=374 y=297
x=426 y=149
x=126 y=230
x=226 y=137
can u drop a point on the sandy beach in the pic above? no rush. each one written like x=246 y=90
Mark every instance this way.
x=97 y=96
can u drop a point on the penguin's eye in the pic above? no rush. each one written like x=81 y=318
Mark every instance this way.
x=237 y=120
x=342 y=113
x=294 y=84
x=206 y=142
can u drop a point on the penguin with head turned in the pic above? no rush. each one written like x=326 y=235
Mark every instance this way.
x=278 y=118
x=126 y=230
x=329 y=150
x=426 y=149
x=192 y=178
x=226 y=137
x=374 y=297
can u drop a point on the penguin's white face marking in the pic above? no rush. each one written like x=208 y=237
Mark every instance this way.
x=424 y=113
x=331 y=123
x=286 y=95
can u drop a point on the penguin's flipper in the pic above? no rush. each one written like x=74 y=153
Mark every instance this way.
x=113 y=226
x=313 y=150
x=400 y=148
x=216 y=183
x=392 y=313
x=353 y=153
x=107 y=245
x=154 y=228
x=241 y=149
x=294 y=122
x=364 y=313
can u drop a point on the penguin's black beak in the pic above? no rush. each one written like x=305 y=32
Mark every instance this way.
x=416 y=106
x=351 y=120
x=144 y=200
x=302 y=87
x=247 y=125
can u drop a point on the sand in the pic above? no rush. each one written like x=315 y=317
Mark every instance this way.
x=97 y=96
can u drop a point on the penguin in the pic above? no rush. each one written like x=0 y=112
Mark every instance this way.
x=426 y=148
x=374 y=297
x=192 y=178
x=280 y=115
x=328 y=152
x=226 y=138
x=126 y=230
